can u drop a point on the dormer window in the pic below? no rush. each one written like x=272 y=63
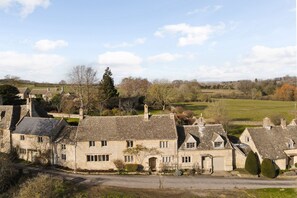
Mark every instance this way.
x=191 y=144
x=218 y=144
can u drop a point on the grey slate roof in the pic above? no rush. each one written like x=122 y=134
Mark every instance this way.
x=39 y=126
x=272 y=143
x=205 y=137
x=98 y=128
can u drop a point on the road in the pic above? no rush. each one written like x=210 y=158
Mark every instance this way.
x=176 y=182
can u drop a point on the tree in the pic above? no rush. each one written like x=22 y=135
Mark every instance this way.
x=161 y=93
x=218 y=112
x=83 y=80
x=285 y=92
x=133 y=87
x=268 y=168
x=252 y=164
x=9 y=95
x=57 y=102
x=107 y=90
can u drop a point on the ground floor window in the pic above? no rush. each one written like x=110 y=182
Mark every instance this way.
x=166 y=159
x=23 y=151
x=97 y=158
x=63 y=156
x=129 y=158
x=186 y=159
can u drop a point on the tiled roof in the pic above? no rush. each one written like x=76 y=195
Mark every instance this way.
x=271 y=143
x=39 y=126
x=126 y=127
x=10 y=115
x=67 y=135
x=205 y=137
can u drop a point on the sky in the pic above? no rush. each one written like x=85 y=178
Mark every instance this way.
x=214 y=40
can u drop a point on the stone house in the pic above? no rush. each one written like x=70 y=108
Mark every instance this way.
x=101 y=140
x=204 y=146
x=46 y=93
x=24 y=92
x=34 y=136
x=277 y=143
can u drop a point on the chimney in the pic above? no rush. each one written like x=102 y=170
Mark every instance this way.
x=283 y=123
x=29 y=106
x=81 y=113
x=267 y=123
x=201 y=123
x=146 y=113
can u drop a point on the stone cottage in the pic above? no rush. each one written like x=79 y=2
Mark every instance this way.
x=277 y=143
x=204 y=146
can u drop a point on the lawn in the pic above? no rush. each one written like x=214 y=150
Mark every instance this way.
x=248 y=110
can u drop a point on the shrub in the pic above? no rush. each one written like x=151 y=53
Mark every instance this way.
x=252 y=164
x=119 y=164
x=43 y=186
x=131 y=167
x=268 y=168
x=179 y=172
x=191 y=172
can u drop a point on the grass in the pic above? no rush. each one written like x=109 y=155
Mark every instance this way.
x=100 y=191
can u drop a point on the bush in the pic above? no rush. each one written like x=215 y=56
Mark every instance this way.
x=133 y=167
x=252 y=164
x=191 y=172
x=43 y=186
x=296 y=165
x=179 y=172
x=268 y=168
x=119 y=164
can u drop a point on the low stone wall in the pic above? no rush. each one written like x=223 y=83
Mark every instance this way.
x=64 y=115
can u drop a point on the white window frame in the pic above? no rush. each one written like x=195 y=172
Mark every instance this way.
x=186 y=159
x=91 y=143
x=129 y=143
x=129 y=158
x=103 y=143
x=164 y=144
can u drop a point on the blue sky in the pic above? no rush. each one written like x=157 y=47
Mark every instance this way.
x=42 y=40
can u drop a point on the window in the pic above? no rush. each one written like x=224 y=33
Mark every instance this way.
x=103 y=143
x=129 y=143
x=63 y=156
x=22 y=137
x=63 y=146
x=91 y=143
x=218 y=144
x=129 y=158
x=191 y=145
x=23 y=151
x=247 y=139
x=186 y=159
x=97 y=158
x=40 y=139
x=163 y=144
x=166 y=159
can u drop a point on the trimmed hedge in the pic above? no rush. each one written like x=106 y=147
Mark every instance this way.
x=133 y=167
x=268 y=168
x=252 y=164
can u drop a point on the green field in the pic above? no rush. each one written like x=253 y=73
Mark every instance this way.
x=248 y=110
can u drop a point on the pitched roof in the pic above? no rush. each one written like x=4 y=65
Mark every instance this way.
x=39 y=126
x=22 y=89
x=67 y=135
x=10 y=115
x=126 y=127
x=206 y=137
x=271 y=143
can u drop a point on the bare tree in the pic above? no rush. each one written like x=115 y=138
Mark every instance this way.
x=131 y=87
x=83 y=80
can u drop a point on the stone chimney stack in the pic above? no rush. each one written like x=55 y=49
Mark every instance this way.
x=146 y=113
x=283 y=123
x=29 y=105
x=267 y=123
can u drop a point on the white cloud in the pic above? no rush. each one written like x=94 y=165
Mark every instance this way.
x=164 y=57
x=214 y=8
x=27 y=6
x=35 y=67
x=138 y=41
x=190 y=35
x=122 y=64
x=46 y=45
x=266 y=56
